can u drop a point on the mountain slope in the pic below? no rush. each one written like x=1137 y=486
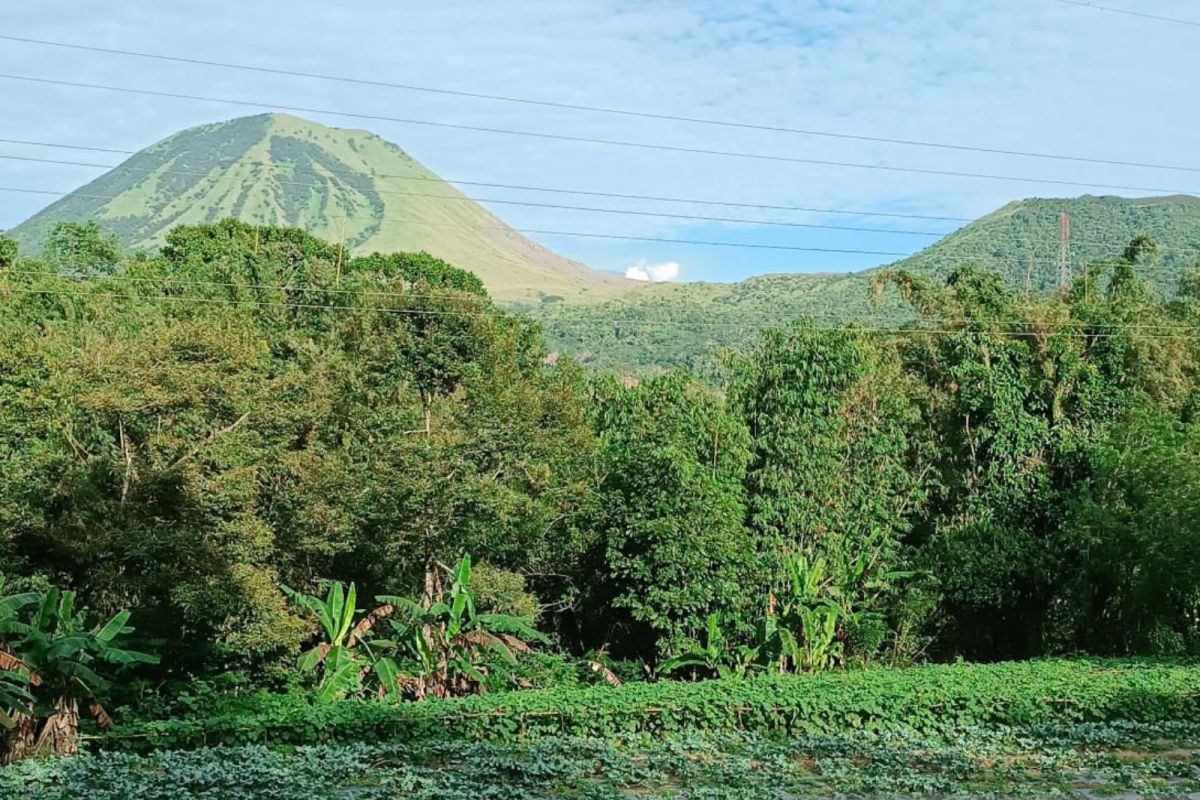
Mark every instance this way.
x=1022 y=238
x=342 y=185
x=668 y=325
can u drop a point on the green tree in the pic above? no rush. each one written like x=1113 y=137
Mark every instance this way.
x=832 y=474
x=249 y=411
x=1138 y=524
x=1019 y=392
x=8 y=252
x=670 y=510
x=81 y=248
x=444 y=328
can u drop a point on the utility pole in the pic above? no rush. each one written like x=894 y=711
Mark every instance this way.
x=1064 y=250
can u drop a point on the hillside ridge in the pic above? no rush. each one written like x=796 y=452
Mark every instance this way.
x=682 y=325
x=343 y=185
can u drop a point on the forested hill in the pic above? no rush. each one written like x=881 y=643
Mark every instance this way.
x=680 y=325
x=346 y=186
x=1021 y=240
x=354 y=187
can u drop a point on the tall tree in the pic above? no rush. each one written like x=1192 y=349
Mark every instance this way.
x=670 y=510
x=81 y=248
x=832 y=473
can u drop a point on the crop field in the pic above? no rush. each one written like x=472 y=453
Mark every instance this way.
x=1090 y=760
x=1032 y=729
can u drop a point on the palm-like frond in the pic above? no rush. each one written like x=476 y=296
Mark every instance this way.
x=367 y=623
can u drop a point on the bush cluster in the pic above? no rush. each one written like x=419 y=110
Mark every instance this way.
x=930 y=700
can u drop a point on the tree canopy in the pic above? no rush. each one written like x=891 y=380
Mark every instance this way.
x=186 y=432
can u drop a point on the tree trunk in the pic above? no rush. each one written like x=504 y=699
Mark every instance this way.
x=433 y=683
x=60 y=733
x=20 y=741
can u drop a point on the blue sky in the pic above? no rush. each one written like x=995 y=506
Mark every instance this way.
x=1016 y=74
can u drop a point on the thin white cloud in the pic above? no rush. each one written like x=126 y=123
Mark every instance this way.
x=653 y=273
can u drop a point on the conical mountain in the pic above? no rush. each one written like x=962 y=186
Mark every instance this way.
x=346 y=186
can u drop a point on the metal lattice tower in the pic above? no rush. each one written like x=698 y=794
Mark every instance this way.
x=1064 y=250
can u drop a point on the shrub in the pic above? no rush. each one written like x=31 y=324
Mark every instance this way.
x=500 y=591
x=930 y=700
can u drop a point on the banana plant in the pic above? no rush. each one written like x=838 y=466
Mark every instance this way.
x=62 y=660
x=451 y=641
x=800 y=630
x=15 y=698
x=444 y=636
x=820 y=648
x=715 y=657
x=345 y=658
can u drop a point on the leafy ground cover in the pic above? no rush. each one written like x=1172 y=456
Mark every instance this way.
x=1088 y=760
x=927 y=700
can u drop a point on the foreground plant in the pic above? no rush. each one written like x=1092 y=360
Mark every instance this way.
x=452 y=647
x=344 y=659
x=1089 y=761
x=455 y=645
x=61 y=659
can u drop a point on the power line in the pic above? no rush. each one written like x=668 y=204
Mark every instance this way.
x=560 y=190
x=594 y=140
x=1121 y=242
x=725 y=123
x=168 y=281
x=274 y=165
x=1141 y=14
x=613 y=236
x=464 y=198
x=524 y=203
x=35 y=143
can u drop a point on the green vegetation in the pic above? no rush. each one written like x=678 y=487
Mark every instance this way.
x=1082 y=761
x=932 y=700
x=51 y=658
x=679 y=325
x=347 y=186
x=244 y=435
x=364 y=193
x=1021 y=240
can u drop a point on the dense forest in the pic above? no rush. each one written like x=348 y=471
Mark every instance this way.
x=670 y=325
x=232 y=444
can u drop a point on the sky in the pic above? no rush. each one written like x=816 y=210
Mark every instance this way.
x=1032 y=75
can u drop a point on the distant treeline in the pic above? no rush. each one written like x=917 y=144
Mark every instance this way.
x=185 y=433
